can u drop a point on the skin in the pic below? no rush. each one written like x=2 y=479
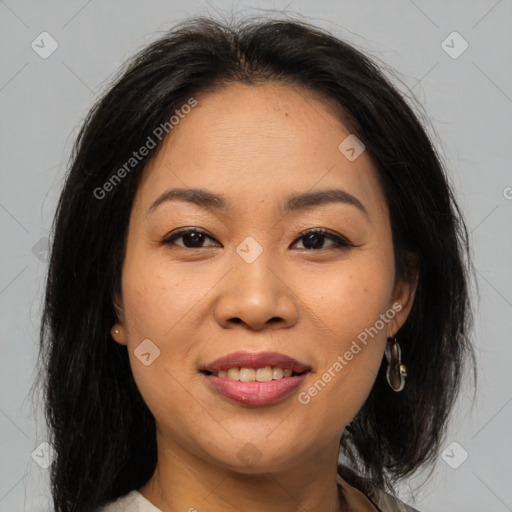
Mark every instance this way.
x=255 y=145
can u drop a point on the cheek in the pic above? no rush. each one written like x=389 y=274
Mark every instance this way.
x=349 y=305
x=161 y=303
x=351 y=300
x=158 y=297
x=157 y=305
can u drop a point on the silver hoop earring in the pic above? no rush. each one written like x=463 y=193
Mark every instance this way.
x=396 y=371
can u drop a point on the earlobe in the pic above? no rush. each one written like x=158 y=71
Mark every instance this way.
x=118 y=334
x=117 y=331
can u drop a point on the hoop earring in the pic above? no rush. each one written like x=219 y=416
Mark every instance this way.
x=396 y=371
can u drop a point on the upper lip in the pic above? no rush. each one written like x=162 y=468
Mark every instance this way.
x=256 y=360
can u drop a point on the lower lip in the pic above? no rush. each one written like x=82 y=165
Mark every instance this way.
x=255 y=393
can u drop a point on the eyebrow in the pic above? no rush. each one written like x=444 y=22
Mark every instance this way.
x=292 y=203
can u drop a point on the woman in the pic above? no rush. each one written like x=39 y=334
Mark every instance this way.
x=257 y=260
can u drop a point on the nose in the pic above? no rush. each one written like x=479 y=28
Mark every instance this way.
x=257 y=295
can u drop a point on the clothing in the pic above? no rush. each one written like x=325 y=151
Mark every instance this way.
x=355 y=486
x=357 y=494
x=131 y=502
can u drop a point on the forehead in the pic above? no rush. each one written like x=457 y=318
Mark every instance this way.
x=256 y=143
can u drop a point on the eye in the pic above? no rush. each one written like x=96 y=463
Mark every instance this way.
x=314 y=238
x=192 y=238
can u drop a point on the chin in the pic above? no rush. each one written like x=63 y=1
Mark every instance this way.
x=249 y=459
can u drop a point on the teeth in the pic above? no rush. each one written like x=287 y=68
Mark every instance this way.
x=265 y=374
x=233 y=373
x=277 y=373
x=247 y=375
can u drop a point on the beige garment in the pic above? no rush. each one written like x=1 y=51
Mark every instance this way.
x=372 y=500
x=131 y=502
x=358 y=490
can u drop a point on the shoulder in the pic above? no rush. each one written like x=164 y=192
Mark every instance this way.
x=381 y=499
x=131 y=502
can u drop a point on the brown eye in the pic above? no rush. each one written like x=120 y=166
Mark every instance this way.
x=314 y=239
x=192 y=238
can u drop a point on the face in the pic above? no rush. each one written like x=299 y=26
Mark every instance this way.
x=314 y=281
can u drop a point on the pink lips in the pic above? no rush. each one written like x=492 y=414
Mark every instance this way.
x=255 y=393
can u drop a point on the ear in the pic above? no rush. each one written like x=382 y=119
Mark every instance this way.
x=404 y=292
x=118 y=331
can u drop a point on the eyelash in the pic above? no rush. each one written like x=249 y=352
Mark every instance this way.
x=340 y=242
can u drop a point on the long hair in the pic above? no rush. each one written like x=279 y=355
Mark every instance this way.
x=100 y=428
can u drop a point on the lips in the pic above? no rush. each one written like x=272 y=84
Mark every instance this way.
x=256 y=360
x=255 y=393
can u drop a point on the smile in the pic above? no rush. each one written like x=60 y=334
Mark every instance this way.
x=254 y=379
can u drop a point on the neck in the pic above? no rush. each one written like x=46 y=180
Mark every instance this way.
x=184 y=481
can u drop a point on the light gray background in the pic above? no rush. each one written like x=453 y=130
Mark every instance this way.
x=469 y=102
